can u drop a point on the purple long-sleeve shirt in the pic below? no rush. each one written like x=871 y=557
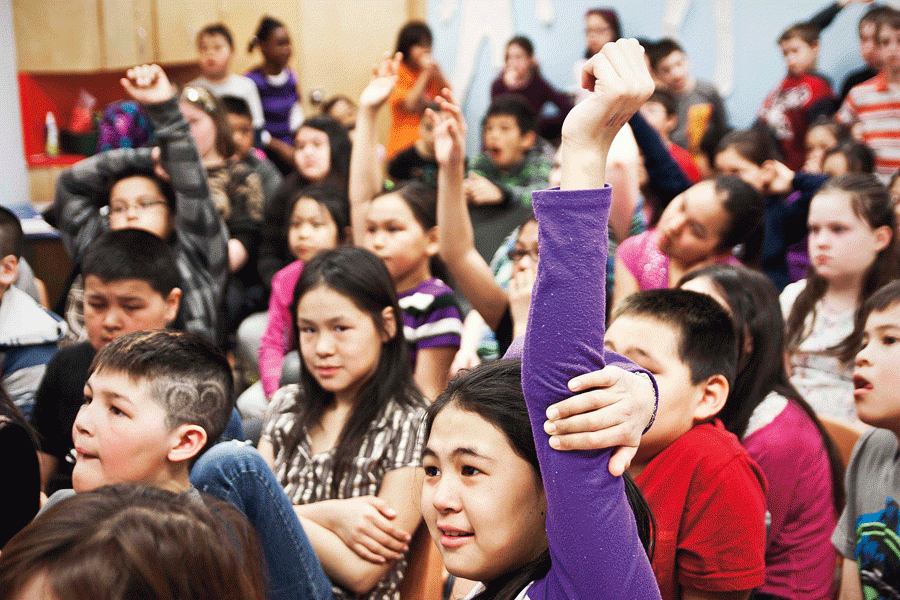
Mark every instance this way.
x=594 y=544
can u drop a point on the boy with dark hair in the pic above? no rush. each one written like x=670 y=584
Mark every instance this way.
x=514 y=160
x=706 y=493
x=215 y=46
x=28 y=333
x=866 y=534
x=154 y=402
x=417 y=162
x=800 y=97
x=130 y=284
x=137 y=198
x=240 y=119
x=873 y=107
x=661 y=112
x=700 y=107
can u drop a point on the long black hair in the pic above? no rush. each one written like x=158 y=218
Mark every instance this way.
x=362 y=278
x=753 y=303
x=493 y=391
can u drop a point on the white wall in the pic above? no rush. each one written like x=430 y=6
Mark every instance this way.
x=756 y=25
x=13 y=172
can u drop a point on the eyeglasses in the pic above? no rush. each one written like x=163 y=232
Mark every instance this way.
x=201 y=96
x=519 y=253
x=140 y=206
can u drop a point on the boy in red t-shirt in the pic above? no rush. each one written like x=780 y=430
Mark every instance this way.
x=661 y=112
x=706 y=493
x=801 y=96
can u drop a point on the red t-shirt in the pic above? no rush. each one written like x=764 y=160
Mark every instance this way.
x=686 y=162
x=708 y=498
x=787 y=108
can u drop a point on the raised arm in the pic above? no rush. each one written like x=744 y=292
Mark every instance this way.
x=590 y=526
x=364 y=157
x=456 y=239
x=201 y=233
x=79 y=189
x=664 y=176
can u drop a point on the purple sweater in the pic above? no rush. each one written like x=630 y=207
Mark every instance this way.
x=594 y=545
x=277 y=102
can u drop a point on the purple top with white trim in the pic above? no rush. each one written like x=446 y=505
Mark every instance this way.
x=277 y=102
x=431 y=317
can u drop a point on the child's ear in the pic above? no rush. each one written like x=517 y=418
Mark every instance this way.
x=431 y=241
x=186 y=441
x=9 y=270
x=715 y=393
x=528 y=140
x=883 y=237
x=389 y=319
x=173 y=301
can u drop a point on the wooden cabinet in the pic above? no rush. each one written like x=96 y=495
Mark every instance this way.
x=128 y=33
x=42 y=183
x=57 y=35
x=177 y=24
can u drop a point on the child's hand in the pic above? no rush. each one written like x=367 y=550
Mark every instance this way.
x=365 y=525
x=621 y=83
x=465 y=359
x=384 y=78
x=479 y=190
x=613 y=412
x=147 y=84
x=520 y=287
x=782 y=181
x=449 y=131
x=158 y=169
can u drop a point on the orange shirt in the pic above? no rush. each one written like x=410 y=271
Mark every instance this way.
x=405 y=123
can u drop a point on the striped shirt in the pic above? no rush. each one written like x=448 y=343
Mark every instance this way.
x=431 y=317
x=391 y=442
x=874 y=107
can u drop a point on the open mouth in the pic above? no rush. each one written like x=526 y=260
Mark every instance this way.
x=861 y=385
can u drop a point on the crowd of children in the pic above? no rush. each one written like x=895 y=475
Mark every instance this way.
x=274 y=365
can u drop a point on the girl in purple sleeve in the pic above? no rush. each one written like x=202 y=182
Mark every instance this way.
x=532 y=522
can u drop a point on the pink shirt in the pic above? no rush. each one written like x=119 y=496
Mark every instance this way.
x=276 y=340
x=791 y=454
x=650 y=267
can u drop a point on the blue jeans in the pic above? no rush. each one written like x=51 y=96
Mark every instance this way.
x=235 y=429
x=236 y=473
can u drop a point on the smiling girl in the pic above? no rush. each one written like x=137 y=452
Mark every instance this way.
x=563 y=529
